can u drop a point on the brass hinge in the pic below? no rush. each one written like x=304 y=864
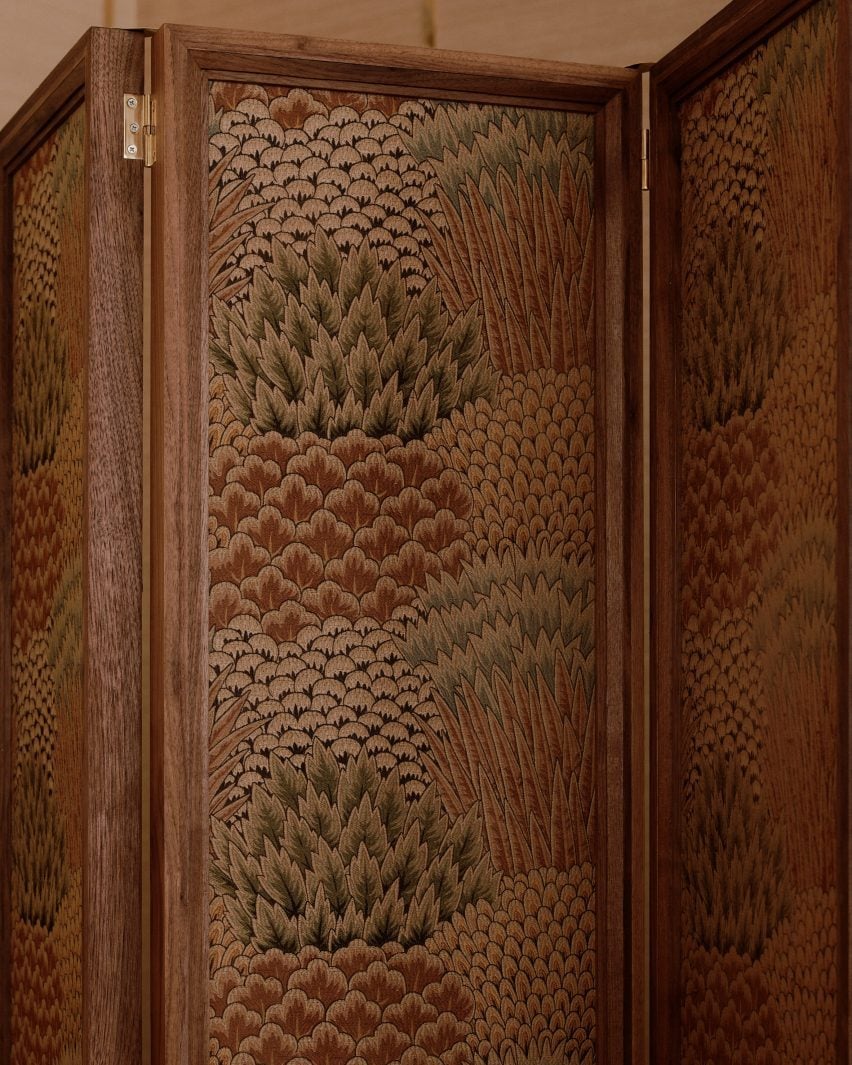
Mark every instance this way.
x=646 y=160
x=139 y=127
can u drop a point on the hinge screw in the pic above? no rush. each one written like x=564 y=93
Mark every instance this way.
x=132 y=149
x=132 y=101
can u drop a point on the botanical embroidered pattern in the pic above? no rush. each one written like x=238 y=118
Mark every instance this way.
x=402 y=602
x=758 y=528
x=47 y=504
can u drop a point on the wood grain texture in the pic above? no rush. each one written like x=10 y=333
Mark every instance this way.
x=184 y=59
x=5 y=609
x=113 y=560
x=618 y=565
x=93 y=72
x=665 y=636
x=844 y=546
x=634 y=462
x=718 y=45
x=179 y=560
x=242 y=56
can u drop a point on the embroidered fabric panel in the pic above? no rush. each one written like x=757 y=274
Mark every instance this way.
x=759 y=533
x=402 y=598
x=47 y=599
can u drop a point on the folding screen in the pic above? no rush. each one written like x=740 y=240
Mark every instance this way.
x=70 y=526
x=395 y=527
x=751 y=470
x=397 y=756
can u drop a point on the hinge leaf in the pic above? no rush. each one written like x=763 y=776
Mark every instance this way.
x=139 y=127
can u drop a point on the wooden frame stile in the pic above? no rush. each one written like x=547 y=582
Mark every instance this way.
x=619 y=636
x=184 y=61
x=715 y=46
x=103 y=65
x=844 y=552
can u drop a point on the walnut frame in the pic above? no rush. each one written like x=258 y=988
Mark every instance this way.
x=184 y=61
x=103 y=64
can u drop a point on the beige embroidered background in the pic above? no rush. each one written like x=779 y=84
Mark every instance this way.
x=401 y=530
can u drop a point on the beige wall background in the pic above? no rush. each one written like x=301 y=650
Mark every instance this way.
x=37 y=33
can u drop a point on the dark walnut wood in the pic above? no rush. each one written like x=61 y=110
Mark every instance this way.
x=96 y=72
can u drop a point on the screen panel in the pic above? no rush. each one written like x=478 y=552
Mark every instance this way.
x=401 y=528
x=753 y=759
x=70 y=699
x=389 y=387
x=47 y=550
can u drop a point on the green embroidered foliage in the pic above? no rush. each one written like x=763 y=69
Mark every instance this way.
x=736 y=329
x=331 y=343
x=68 y=168
x=40 y=388
x=486 y=140
x=39 y=867
x=734 y=863
x=796 y=617
x=518 y=613
x=65 y=643
x=331 y=854
x=797 y=58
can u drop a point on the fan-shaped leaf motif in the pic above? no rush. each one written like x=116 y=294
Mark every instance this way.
x=406 y=863
x=351 y=860
x=282 y=882
x=295 y=498
x=385 y=413
x=349 y=927
x=324 y=772
x=272 y=929
x=314 y=352
x=316 y=925
x=321 y=815
x=365 y=880
x=331 y=872
x=364 y=373
x=286 y=783
x=385 y=922
x=299 y=840
x=364 y=828
x=282 y=366
x=359 y=786
x=391 y=803
x=300 y=564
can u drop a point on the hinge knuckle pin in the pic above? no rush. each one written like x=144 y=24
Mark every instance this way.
x=646 y=160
